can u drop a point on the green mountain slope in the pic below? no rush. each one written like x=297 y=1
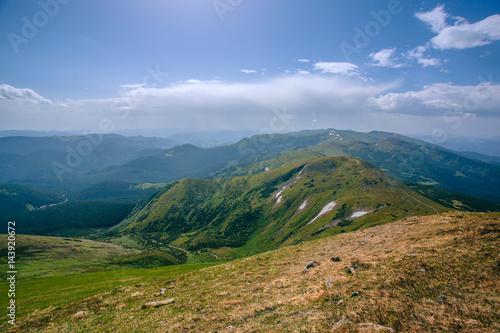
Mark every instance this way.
x=274 y=208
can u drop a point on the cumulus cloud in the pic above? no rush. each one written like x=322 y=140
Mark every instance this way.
x=303 y=60
x=385 y=58
x=462 y=34
x=344 y=68
x=435 y=19
x=248 y=71
x=466 y=35
x=23 y=94
x=482 y=99
x=418 y=54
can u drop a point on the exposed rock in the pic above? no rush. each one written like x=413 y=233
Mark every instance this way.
x=378 y=327
x=329 y=283
x=169 y=282
x=136 y=294
x=162 y=291
x=160 y=303
x=350 y=270
x=310 y=264
x=80 y=314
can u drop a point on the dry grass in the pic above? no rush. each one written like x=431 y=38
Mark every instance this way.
x=426 y=274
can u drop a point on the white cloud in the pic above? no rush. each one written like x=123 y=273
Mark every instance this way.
x=425 y=62
x=303 y=60
x=248 y=71
x=418 y=54
x=482 y=99
x=303 y=72
x=129 y=86
x=462 y=34
x=435 y=19
x=312 y=101
x=344 y=68
x=466 y=35
x=24 y=94
x=207 y=105
x=385 y=58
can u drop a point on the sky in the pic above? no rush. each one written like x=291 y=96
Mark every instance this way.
x=413 y=67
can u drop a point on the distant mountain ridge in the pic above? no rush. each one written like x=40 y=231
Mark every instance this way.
x=404 y=158
x=30 y=161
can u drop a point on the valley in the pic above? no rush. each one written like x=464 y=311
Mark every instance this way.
x=187 y=212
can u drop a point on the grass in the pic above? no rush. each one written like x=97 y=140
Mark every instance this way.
x=40 y=256
x=420 y=274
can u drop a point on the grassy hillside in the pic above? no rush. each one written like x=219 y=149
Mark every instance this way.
x=274 y=208
x=42 y=257
x=421 y=274
x=16 y=199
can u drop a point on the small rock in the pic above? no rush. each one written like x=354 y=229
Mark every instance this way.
x=160 y=303
x=136 y=294
x=335 y=259
x=329 y=283
x=230 y=327
x=310 y=264
x=162 y=291
x=378 y=327
x=350 y=270
x=169 y=282
x=80 y=314
x=354 y=294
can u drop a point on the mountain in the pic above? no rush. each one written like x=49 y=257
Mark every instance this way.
x=404 y=158
x=56 y=162
x=484 y=146
x=17 y=199
x=316 y=198
x=210 y=139
x=142 y=160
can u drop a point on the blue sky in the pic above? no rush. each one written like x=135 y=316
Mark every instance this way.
x=420 y=67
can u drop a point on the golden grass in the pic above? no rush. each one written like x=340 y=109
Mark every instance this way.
x=422 y=274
